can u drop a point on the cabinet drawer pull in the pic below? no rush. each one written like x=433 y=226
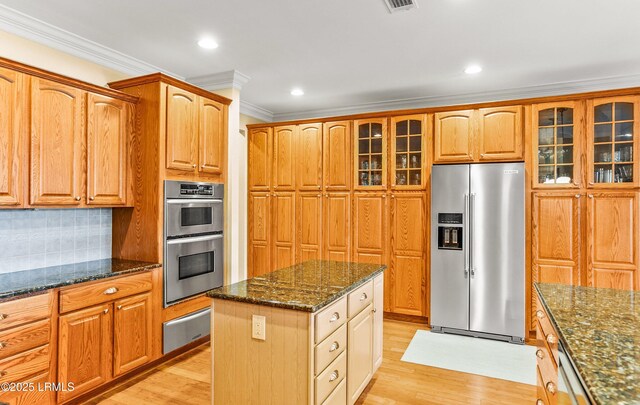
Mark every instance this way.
x=193 y=165
x=106 y=311
x=3 y=345
x=551 y=387
x=363 y=297
x=334 y=346
x=91 y=198
x=551 y=339
x=577 y=195
x=3 y=317
x=334 y=317
x=539 y=402
x=540 y=354
x=590 y=195
x=119 y=306
x=334 y=376
x=77 y=198
x=110 y=290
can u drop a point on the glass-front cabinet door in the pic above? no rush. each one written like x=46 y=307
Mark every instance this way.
x=613 y=131
x=556 y=142
x=370 y=154
x=408 y=152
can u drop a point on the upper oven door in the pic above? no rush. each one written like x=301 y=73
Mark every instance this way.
x=190 y=217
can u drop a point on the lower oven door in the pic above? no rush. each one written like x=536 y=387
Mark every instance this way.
x=192 y=265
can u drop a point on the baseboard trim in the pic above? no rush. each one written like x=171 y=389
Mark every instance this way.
x=406 y=318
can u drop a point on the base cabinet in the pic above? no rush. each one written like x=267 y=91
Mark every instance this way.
x=360 y=350
x=131 y=333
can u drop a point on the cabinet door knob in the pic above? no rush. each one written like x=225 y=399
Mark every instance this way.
x=106 y=311
x=3 y=345
x=334 y=346
x=590 y=195
x=539 y=314
x=577 y=195
x=363 y=297
x=591 y=183
x=540 y=354
x=334 y=317
x=78 y=198
x=3 y=316
x=551 y=387
x=551 y=339
x=334 y=376
x=110 y=290
x=92 y=198
x=194 y=165
x=119 y=306
x=539 y=402
x=319 y=187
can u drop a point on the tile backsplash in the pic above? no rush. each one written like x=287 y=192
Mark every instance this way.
x=32 y=239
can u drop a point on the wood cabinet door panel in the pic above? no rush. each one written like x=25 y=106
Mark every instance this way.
x=454 y=136
x=260 y=159
x=212 y=135
x=337 y=155
x=555 y=226
x=558 y=274
x=57 y=141
x=107 y=157
x=500 y=135
x=360 y=353
x=337 y=226
x=11 y=142
x=370 y=223
x=620 y=279
x=132 y=333
x=283 y=229
x=259 y=260
x=182 y=130
x=284 y=156
x=309 y=225
x=309 y=157
x=408 y=285
x=84 y=349
x=408 y=223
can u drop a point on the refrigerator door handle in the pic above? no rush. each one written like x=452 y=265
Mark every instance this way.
x=465 y=244
x=472 y=219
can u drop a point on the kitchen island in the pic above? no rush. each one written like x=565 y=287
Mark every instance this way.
x=594 y=331
x=306 y=334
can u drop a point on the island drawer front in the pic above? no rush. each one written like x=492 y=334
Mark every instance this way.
x=37 y=396
x=25 y=337
x=329 y=379
x=338 y=396
x=330 y=348
x=541 y=393
x=360 y=298
x=546 y=366
x=97 y=293
x=330 y=319
x=24 y=310
x=24 y=364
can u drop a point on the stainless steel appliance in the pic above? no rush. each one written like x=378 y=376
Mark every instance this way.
x=571 y=389
x=193 y=254
x=478 y=254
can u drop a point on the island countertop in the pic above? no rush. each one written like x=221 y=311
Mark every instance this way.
x=599 y=329
x=307 y=286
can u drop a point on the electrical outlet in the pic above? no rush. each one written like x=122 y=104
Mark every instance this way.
x=259 y=328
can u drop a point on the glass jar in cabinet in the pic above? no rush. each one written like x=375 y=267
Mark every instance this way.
x=408 y=151
x=556 y=144
x=612 y=132
x=370 y=154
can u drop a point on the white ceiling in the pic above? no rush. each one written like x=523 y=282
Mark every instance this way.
x=352 y=52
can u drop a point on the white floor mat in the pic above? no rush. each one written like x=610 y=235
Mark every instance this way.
x=490 y=358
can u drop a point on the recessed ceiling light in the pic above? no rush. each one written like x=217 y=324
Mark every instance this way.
x=473 y=69
x=207 y=43
x=297 y=92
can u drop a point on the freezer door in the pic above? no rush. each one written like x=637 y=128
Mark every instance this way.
x=449 y=283
x=497 y=292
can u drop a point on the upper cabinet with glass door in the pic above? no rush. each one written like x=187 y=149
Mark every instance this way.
x=556 y=144
x=407 y=151
x=613 y=131
x=370 y=154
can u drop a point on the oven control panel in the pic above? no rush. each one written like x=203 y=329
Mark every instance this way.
x=196 y=189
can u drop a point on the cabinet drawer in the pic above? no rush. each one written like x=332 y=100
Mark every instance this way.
x=546 y=366
x=25 y=337
x=331 y=318
x=541 y=392
x=338 y=396
x=24 y=364
x=330 y=348
x=40 y=397
x=360 y=298
x=24 y=310
x=329 y=379
x=546 y=335
x=97 y=293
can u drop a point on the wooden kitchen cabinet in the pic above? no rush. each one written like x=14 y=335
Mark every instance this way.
x=259 y=150
x=406 y=276
x=500 y=134
x=408 y=152
x=182 y=130
x=309 y=157
x=211 y=131
x=360 y=353
x=84 y=349
x=12 y=145
x=370 y=154
x=132 y=333
x=57 y=142
x=369 y=228
x=337 y=155
x=283 y=229
x=337 y=226
x=612 y=240
x=259 y=255
x=454 y=136
x=284 y=157
x=309 y=225
x=108 y=135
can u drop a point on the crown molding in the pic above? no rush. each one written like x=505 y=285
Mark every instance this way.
x=553 y=89
x=23 y=25
x=255 y=111
x=223 y=80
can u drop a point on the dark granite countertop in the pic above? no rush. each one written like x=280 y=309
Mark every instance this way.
x=32 y=281
x=600 y=331
x=307 y=286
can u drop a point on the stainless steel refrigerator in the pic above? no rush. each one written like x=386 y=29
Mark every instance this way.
x=477 y=250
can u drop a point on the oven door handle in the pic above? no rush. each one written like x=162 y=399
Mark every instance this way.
x=185 y=201
x=193 y=239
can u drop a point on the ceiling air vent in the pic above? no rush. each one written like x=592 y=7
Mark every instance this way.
x=400 y=5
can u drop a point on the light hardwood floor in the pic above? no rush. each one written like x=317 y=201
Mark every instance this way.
x=185 y=380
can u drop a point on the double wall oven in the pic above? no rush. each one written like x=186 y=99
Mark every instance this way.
x=193 y=253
